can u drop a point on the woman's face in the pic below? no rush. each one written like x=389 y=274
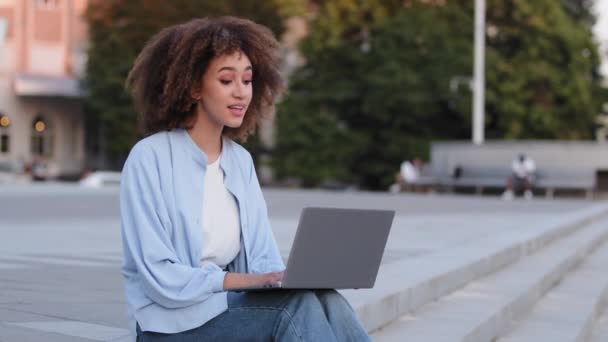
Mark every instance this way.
x=226 y=90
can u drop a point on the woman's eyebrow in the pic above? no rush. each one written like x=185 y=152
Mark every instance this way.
x=249 y=67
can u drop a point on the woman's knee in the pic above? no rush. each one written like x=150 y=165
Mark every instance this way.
x=328 y=295
x=341 y=316
x=303 y=317
x=332 y=298
x=303 y=300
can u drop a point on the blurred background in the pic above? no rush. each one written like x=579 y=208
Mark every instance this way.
x=372 y=84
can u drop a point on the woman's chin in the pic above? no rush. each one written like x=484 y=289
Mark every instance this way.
x=234 y=123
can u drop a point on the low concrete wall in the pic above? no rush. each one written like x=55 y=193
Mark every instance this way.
x=566 y=155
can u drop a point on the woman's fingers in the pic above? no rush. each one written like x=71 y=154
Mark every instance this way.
x=274 y=277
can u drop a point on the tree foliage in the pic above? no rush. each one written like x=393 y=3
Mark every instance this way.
x=118 y=31
x=384 y=79
x=541 y=72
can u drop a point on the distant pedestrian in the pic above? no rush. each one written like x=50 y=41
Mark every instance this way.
x=408 y=175
x=194 y=219
x=522 y=178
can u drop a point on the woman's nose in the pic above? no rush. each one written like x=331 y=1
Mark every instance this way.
x=238 y=90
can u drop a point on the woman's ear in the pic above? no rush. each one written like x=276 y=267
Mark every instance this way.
x=195 y=93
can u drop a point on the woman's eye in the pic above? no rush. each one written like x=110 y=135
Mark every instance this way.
x=225 y=82
x=247 y=82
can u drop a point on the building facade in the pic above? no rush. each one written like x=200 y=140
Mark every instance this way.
x=42 y=58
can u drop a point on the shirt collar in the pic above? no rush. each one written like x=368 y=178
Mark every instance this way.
x=191 y=147
x=226 y=161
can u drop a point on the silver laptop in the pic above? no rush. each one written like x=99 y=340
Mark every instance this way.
x=335 y=249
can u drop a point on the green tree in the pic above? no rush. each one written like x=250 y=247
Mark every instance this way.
x=358 y=108
x=378 y=84
x=541 y=72
x=580 y=10
x=339 y=22
x=118 y=31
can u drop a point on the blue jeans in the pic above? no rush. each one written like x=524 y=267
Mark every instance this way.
x=289 y=315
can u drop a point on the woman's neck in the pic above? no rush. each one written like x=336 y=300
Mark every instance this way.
x=208 y=137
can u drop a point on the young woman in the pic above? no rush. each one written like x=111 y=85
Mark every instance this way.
x=194 y=220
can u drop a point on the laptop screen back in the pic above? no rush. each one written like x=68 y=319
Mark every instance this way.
x=338 y=248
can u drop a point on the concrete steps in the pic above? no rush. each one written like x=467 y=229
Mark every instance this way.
x=474 y=294
x=600 y=329
x=568 y=311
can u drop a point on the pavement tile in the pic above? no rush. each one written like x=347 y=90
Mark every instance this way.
x=63 y=263
x=90 y=331
x=10 y=333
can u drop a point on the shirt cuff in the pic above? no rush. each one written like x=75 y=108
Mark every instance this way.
x=217 y=281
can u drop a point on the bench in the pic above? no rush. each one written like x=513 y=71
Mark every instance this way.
x=566 y=179
x=549 y=180
x=475 y=177
x=425 y=179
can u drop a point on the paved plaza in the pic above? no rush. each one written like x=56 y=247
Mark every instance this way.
x=60 y=250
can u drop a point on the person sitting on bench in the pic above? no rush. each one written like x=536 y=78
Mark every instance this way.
x=523 y=168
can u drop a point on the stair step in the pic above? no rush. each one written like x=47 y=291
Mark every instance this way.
x=567 y=312
x=409 y=284
x=483 y=309
x=600 y=328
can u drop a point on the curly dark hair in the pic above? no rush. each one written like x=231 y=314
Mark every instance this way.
x=174 y=60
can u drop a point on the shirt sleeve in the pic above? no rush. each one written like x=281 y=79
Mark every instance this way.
x=264 y=254
x=163 y=277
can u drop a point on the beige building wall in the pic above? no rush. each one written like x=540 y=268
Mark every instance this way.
x=41 y=58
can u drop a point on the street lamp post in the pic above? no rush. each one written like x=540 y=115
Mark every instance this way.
x=479 y=73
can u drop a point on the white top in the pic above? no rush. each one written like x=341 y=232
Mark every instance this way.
x=523 y=169
x=221 y=223
x=409 y=172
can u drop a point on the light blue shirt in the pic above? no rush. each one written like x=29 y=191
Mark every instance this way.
x=161 y=194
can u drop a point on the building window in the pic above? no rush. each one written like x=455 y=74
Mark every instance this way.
x=47 y=4
x=42 y=137
x=5 y=123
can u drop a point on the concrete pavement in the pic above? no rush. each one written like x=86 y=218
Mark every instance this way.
x=60 y=250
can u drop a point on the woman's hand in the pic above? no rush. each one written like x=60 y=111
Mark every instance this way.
x=237 y=280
